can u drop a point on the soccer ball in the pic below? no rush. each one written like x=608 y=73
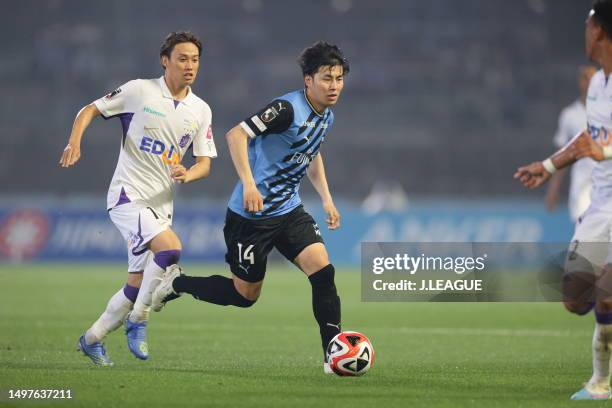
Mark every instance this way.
x=350 y=354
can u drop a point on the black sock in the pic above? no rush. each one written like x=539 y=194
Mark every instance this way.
x=212 y=289
x=325 y=304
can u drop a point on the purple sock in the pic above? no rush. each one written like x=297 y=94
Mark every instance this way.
x=130 y=292
x=603 y=318
x=164 y=259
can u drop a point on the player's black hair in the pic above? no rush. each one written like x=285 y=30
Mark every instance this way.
x=321 y=54
x=178 y=37
x=602 y=15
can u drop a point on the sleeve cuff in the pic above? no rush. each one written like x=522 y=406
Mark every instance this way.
x=247 y=129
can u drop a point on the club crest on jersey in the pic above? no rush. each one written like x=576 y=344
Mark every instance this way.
x=158 y=148
x=112 y=94
x=185 y=140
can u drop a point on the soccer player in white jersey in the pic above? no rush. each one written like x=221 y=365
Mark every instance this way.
x=161 y=119
x=571 y=122
x=588 y=268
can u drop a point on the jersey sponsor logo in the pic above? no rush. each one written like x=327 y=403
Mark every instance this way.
x=592 y=98
x=313 y=124
x=152 y=111
x=600 y=134
x=302 y=157
x=112 y=94
x=158 y=148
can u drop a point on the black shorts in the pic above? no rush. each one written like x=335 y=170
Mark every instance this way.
x=249 y=241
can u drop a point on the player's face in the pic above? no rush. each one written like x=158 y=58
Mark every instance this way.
x=325 y=85
x=182 y=66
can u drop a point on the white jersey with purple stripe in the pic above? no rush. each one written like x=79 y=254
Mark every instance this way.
x=286 y=136
x=599 y=121
x=157 y=132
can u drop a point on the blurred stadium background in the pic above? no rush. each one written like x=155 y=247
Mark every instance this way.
x=444 y=100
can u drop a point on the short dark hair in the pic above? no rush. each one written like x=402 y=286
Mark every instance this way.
x=321 y=54
x=602 y=15
x=177 y=37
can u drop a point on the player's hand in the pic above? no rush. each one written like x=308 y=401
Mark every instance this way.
x=533 y=175
x=71 y=154
x=333 y=216
x=585 y=146
x=252 y=199
x=178 y=172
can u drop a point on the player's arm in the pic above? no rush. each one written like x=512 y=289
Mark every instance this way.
x=72 y=151
x=117 y=102
x=581 y=145
x=199 y=170
x=316 y=174
x=237 y=141
x=276 y=117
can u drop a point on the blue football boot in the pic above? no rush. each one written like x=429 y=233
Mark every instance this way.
x=96 y=352
x=137 y=338
x=585 y=394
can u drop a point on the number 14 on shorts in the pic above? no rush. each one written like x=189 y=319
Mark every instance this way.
x=247 y=255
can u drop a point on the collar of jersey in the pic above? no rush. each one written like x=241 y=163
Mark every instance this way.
x=312 y=107
x=167 y=94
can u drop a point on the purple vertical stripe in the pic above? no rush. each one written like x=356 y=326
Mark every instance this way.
x=126 y=119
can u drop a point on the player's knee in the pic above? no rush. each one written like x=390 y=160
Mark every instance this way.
x=312 y=258
x=324 y=278
x=163 y=259
x=243 y=302
x=579 y=308
x=246 y=295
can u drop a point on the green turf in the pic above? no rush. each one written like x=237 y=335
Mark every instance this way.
x=429 y=355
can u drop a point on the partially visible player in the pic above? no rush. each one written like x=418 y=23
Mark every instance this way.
x=587 y=282
x=272 y=150
x=571 y=122
x=161 y=119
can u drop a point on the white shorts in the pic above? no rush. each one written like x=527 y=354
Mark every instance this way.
x=592 y=239
x=138 y=224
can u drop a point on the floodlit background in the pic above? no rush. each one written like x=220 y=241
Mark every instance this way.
x=444 y=100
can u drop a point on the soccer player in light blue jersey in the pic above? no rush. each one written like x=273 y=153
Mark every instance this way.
x=272 y=150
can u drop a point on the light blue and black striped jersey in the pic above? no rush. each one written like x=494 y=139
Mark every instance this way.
x=286 y=136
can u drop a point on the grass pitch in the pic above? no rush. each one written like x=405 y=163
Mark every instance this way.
x=427 y=354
